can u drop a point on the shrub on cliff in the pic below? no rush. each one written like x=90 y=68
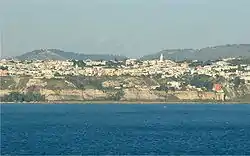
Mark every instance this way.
x=20 y=97
x=32 y=96
x=201 y=81
x=117 y=96
x=14 y=97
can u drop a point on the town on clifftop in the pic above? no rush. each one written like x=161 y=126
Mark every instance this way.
x=131 y=80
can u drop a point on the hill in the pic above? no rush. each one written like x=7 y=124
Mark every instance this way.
x=209 y=53
x=56 y=54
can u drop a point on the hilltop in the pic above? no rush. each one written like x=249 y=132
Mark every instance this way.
x=56 y=54
x=204 y=54
x=209 y=53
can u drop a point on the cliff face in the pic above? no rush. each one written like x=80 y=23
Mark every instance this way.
x=115 y=89
x=131 y=95
x=135 y=94
x=194 y=95
x=232 y=93
x=75 y=95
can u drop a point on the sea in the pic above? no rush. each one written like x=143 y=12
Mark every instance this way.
x=125 y=129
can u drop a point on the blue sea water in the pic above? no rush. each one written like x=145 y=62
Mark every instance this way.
x=74 y=129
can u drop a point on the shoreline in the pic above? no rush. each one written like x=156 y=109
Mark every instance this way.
x=128 y=102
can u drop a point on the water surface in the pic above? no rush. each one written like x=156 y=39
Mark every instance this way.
x=125 y=129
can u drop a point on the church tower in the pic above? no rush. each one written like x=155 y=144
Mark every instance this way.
x=161 y=58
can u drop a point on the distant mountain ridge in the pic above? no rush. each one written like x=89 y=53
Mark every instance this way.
x=56 y=54
x=209 y=53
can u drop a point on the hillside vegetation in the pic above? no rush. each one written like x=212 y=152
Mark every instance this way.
x=123 y=88
x=209 y=53
x=56 y=54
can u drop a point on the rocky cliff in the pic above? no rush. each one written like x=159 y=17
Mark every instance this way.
x=114 y=89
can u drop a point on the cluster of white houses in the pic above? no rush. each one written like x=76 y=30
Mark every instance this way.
x=131 y=67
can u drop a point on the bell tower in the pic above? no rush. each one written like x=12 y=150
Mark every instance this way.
x=161 y=58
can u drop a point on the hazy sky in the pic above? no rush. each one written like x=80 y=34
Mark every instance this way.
x=127 y=27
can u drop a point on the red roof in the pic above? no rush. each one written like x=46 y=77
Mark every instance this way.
x=218 y=87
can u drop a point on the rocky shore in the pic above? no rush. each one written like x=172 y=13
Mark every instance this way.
x=112 y=90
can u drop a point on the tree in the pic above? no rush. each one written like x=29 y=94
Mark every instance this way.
x=31 y=97
x=79 y=63
x=240 y=61
x=20 y=97
x=3 y=67
x=74 y=62
x=119 y=95
x=29 y=62
x=237 y=81
x=220 y=79
x=14 y=97
x=57 y=74
x=195 y=64
x=81 y=86
x=202 y=81
x=240 y=68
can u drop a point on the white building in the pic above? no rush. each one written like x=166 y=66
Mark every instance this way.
x=161 y=58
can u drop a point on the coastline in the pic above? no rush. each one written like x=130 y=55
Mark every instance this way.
x=129 y=102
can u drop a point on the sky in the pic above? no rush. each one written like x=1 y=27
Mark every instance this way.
x=124 y=27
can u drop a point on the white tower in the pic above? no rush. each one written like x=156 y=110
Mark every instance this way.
x=161 y=58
